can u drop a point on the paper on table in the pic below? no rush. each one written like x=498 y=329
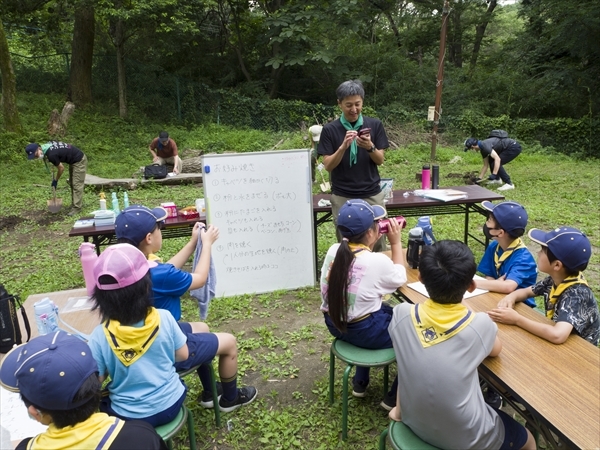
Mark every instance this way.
x=443 y=195
x=420 y=288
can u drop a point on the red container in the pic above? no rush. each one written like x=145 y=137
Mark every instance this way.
x=189 y=213
x=170 y=208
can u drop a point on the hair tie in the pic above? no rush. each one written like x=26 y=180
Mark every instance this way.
x=345 y=239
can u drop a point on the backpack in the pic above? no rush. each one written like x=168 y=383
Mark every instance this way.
x=155 y=171
x=500 y=134
x=10 y=331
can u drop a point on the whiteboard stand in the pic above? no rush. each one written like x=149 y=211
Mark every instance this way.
x=262 y=204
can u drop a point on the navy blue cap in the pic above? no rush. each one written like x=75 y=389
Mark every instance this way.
x=570 y=246
x=357 y=216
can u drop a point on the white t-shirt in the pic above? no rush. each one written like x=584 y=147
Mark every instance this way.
x=315 y=130
x=373 y=275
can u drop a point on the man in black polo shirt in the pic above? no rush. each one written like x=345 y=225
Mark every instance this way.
x=352 y=157
x=58 y=153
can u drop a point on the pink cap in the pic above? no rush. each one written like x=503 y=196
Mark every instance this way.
x=125 y=263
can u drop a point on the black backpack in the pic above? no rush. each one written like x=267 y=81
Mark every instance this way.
x=155 y=171
x=10 y=331
x=500 y=134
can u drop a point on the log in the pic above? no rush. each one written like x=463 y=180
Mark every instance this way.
x=57 y=124
x=191 y=165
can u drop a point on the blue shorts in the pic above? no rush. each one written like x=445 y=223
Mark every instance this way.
x=371 y=333
x=515 y=434
x=202 y=347
x=155 y=420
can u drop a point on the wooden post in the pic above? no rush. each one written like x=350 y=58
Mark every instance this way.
x=440 y=79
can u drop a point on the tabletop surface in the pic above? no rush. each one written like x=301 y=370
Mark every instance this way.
x=560 y=382
x=475 y=194
x=169 y=223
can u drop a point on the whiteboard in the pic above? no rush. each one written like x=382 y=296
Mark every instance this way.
x=262 y=204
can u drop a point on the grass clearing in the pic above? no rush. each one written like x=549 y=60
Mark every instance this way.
x=283 y=343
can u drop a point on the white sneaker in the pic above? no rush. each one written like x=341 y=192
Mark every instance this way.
x=506 y=187
x=498 y=181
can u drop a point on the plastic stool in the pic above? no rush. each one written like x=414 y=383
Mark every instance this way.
x=356 y=356
x=171 y=429
x=402 y=438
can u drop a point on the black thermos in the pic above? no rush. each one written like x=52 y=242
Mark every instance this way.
x=435 y=181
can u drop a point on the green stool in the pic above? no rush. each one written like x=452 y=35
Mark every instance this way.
x=356 y=356
x=213 y=385
x=402 y=438
x=170 y=430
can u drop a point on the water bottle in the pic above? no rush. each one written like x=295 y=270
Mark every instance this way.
x=425 y=223
x=425 y=177
x=414 y=247
x=46 y=316
x=435 y=176
x=115 y=204
x=88 y=257
x=125 y=200
x=102 y=201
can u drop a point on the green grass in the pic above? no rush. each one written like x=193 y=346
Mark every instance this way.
x=283 y=344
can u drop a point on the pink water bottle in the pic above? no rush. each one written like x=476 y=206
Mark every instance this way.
x=426 y=177
x=88 y=257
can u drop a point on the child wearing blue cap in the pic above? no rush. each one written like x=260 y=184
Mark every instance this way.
x=57 y=378
x=569 y=301
x=353 y=281
x=507 y=263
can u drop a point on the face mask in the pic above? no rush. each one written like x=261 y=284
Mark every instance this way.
x=486 y=232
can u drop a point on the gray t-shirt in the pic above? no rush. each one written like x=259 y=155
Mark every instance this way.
x=440 y=397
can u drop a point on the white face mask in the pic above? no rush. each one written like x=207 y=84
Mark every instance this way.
x=41 y=156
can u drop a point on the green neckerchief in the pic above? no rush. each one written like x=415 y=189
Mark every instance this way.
x=353 y=145
x=45 y=148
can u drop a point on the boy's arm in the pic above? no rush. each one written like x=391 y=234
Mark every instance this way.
x=484 y=168
x=200 y=273
x=497 y=348
x=396 y=413
x=188 y=249
x=557 y=333
x=501 y=284
x=182 y=353
x=520 y=295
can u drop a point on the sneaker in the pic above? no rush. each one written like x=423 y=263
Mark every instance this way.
x=206 y=399
x=492 y=398
x=388 y=402
x=506 y=187
x=359 y=388
x=246 y=395
x=498 y=181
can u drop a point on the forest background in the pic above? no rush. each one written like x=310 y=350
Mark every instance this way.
x=532 y=67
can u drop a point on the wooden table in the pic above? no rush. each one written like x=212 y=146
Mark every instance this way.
x=415 y=206
x=105 y=235
x=72 y=309
x=556 y=388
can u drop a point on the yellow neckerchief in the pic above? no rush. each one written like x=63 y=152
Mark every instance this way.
x=357 y=248
x=435 y=322
x=155 y=258
x=557 y=291
x=97 y=432
x=129 y=343
x=498 y=260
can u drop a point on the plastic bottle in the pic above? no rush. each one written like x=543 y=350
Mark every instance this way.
x=425 y=177
x=102 y=201
x=125 y=200
x=88 y=257
x=115 y=204
x=435 y=176
x=425 y=223
x=46 y=316
x=414 y=247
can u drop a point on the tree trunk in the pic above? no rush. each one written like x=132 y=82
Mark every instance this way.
x=480 y=31
x=455 y=47
x=82 y=47
x=120 y=44
x=10 y=113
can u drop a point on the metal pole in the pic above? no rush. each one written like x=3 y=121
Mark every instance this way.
x=440 y=79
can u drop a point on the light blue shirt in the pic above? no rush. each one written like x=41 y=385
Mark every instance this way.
x=150 y=385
